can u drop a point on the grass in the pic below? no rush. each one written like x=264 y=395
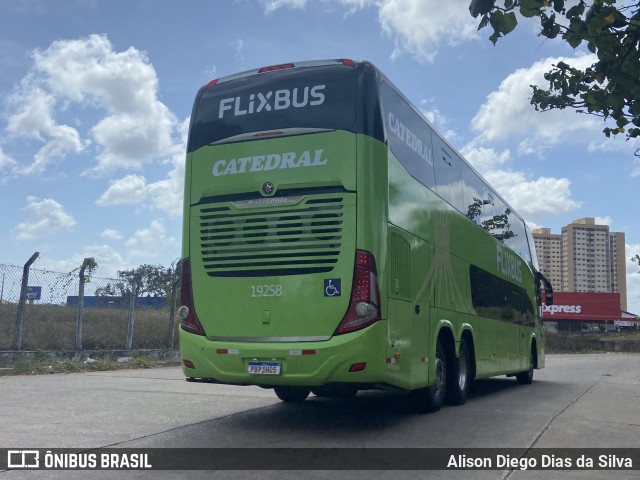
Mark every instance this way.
x=575 y=342
x=39 y=366
x=625 y=335
x=53 y=327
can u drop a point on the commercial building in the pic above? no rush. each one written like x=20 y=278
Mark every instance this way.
x=585 y=257
x=587 y=312
x=549 y=253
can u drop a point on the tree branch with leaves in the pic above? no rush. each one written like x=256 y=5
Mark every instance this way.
x=152 y=280
x=610 y=87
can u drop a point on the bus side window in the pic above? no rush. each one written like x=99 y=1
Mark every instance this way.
x=449 y=179
x=475 y=194
x=518 y=241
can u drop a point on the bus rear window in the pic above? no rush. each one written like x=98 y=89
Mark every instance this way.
x=319 y=97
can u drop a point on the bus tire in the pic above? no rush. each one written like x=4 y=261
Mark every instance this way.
x=459 y=379
x=526 y=377
x=292 y=394
x=431 y=398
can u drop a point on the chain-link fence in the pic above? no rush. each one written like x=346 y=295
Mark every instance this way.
x=45 y=310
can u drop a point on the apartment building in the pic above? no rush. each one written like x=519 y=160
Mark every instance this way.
x=585 y=257
x=549 y=253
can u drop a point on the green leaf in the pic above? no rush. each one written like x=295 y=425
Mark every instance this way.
x=510 y=22
x=502 y=23
x=528 y=12
x=480 y=7
x=576 y=11
x=616 y=101
x=558 y=5
x=574 y=40
x=531 y=4
x=622 y=121
x=549 y=27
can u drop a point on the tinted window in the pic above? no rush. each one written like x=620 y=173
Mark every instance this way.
x=448 y=168
x=322 y=97
x=532 y=248
x=475 y=194
x=499 y=299
x=409 y=136
x=497 y=221
x=518 y=241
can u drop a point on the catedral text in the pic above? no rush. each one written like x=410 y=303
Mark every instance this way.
x=272 y=161
x=410 y=138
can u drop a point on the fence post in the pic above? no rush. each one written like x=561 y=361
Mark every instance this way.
x=80 y=313
x=132 y=315
x=172 y=313
x=17 y=342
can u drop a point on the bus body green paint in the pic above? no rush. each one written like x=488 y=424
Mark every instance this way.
x=344 y=201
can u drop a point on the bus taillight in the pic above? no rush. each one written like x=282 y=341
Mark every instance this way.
x=211 y=83
x=189 y=320
x=364 y=306
x=273 y=68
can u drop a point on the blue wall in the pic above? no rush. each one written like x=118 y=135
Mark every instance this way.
x=92 y=301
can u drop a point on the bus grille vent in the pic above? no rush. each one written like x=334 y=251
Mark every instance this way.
x=262 y=242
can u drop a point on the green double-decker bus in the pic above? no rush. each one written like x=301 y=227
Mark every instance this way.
x=334 y=241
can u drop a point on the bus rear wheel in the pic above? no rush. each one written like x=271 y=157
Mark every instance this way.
x=431 y=398
x=526 y=377
x=292 y=394
x=460 y=378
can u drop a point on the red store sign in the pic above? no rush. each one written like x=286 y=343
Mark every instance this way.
x=583 y=307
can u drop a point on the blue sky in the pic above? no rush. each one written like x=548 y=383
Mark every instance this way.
x=95 y=98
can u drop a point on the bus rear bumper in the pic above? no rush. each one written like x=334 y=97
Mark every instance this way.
x=355 y=358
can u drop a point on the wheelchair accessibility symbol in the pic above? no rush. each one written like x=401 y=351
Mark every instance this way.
x=332 y=287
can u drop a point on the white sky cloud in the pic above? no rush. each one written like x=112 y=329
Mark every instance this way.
x=45 y=218
x=271 y=6
x=111 y=234
x=507 y=111
x=151 y=242
x=165 y=195
x=128 y=190
x=418 y=27
x=108 y=259
x=6 y=161
x=440 y=121
x=237 y=46
x=604 y=221
x=533 y=198
x=34 y=118
x=89 y=73
x=485 y=159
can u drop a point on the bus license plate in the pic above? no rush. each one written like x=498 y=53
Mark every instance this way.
x=264 y=368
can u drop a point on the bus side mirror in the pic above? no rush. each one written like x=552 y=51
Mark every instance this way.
x=542 y=279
